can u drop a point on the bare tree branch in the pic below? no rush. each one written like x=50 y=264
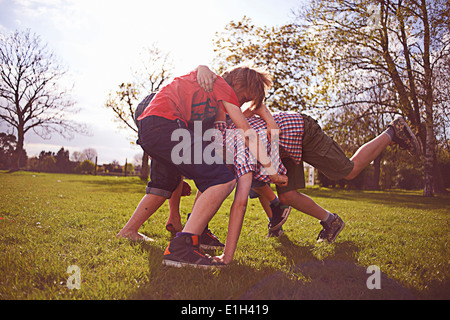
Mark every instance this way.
x=30 y=95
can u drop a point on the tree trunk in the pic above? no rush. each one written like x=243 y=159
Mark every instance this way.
x=18 y=152
x=438 y=182
x=429 y=151
x=375 y=181
x=429 y=147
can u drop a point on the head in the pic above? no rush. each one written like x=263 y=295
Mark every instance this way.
x=249 y=84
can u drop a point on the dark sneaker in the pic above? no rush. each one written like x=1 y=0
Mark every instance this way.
x=275 y=233
x=280 y=214
x=404 y=136
x=331 y=230
x=184 y=251
x=209 y=241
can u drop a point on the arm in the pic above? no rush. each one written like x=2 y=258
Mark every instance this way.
x=252 y=141
x=220 y=115
x=221 y=125
x=272 y=128
x=248 y=113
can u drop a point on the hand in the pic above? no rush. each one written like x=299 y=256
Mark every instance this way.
x=206 y=78
x=273 y=131
x=279 y=180
x=222 y=258
x=186 y=191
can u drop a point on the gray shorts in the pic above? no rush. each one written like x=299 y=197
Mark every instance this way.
x=320 y=151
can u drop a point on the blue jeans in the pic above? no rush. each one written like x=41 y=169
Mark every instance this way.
x=155 y=138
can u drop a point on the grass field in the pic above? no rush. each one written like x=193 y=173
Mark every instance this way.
x=52 y=221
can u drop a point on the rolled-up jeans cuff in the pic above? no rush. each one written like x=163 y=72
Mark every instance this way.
x=158 y=192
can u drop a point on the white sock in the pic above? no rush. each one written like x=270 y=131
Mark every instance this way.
x=328 y=217
x=390 y=132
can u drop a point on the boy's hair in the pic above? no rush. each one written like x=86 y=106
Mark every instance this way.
x=252 y=82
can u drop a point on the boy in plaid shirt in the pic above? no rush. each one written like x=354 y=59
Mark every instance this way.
x=302 y=139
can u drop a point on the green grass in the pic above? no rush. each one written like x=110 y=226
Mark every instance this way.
x=52 y=221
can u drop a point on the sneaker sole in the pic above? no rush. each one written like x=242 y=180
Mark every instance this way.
x=178 y=264
x=337 y=233
x=416 y=142
x=278 y=226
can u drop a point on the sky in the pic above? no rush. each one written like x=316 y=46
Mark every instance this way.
x=100 y=41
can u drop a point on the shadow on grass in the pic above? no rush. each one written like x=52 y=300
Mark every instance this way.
x=333 y=278
x=168 y=283
x=336 y=277
x=326 y=280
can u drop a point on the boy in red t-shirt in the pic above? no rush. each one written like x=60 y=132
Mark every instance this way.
x=179 y=103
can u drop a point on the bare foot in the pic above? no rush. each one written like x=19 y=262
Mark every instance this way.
x=134 y=236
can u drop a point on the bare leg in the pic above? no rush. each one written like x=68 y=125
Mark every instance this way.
x=173 y=224
x=266 y=192
x=148 y=205
x=303 y=203
x=367 y=153
x=206 y=206
x=267 y=195
x=266 y=206
x=361 y=159
x=237 y=213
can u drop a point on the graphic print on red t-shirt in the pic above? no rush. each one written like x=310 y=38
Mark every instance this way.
x=203 y=110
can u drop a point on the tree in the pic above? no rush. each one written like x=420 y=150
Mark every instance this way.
x=47 y=161
x=63 y=163
x=155 y=70
x=128 y=169
x=86 y=166
x=89 y=154
x=123 y=103
x=77 y=156
x=7 y=146
x=30 y=94
x=282 y=50
x=399 y=42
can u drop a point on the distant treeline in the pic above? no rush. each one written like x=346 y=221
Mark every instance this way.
x=60 y=162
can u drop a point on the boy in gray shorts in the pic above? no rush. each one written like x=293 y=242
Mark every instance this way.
x=305 y=141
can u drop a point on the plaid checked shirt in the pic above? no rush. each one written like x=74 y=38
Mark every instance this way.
x=290 y=144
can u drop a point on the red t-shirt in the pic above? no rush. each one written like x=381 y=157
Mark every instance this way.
x=184 y=99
